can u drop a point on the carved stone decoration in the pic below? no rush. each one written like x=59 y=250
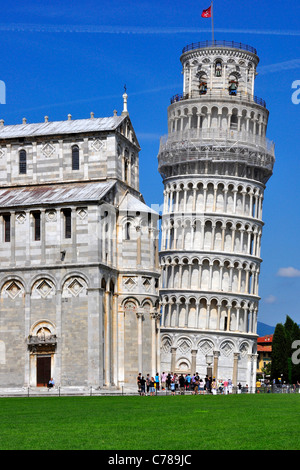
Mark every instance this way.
x=43 y=288
x=184 y=346
x=97 y=144
x=42 y=339
x=244 y=348
x=129 y=283
x=206 y=347
x=226 y=349
x=82 y=212
x=74 y=287
x=147 y=284
x=2 y=153
x=166 y=345
x=12 y=289
x=48 y=150
x=51 y=215
x=21 y=217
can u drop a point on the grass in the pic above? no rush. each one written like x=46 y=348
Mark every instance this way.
x=232 y=422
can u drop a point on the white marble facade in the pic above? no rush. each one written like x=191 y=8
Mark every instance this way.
x=215 y=162
x=79 y=271
x=85 y=295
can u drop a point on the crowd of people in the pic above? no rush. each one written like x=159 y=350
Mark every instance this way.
x=180 y=384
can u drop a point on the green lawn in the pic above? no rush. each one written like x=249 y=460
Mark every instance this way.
x=244 y=422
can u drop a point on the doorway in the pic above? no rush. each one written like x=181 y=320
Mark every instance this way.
x=43 y=370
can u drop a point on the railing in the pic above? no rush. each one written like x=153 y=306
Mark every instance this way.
x=215 y=95
x=230 y=44
x=59 y=391
x=225 y=137
x=259 y=161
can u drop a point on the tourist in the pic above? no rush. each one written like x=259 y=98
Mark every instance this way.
x=188 y=380
x=196 y=384
x=138 y=381
x=142 y=385
x=148 y=383
x=152 y=388
x=207 y=384
x=192 y=384
x=201 y=387
x=168 y=381
x=50 y=384
x=225 y=383
x=163 y=380
x=157 y=381
x=214 y=386
x=176 y=380
x=182 y=384
x=229 y=386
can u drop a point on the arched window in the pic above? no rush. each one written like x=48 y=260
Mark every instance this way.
x=75 y=157
x=22 y=162
x=127 y=231
x=233 y=83
x=202 y=83
x=218 y=68
x=67 y=213
x=234 y=120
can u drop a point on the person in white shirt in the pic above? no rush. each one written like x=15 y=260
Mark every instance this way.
x=163 y=380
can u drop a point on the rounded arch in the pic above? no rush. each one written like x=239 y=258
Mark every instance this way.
x=74 y=284
x=42 y=324
x=22 y=162
x=183 y=339
x=74 y=274
x=147 y=301
x=42 y=276
x=12 y=288
x=12 y=277
x=244 y=348
x=130 y=299
x=75 y=157
x=183 y=365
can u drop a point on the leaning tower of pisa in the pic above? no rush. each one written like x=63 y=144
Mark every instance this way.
x=215 y=163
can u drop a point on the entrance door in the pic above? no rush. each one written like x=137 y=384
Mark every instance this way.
x=43 y=370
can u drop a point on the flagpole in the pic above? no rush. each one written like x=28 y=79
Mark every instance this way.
x=212 y=21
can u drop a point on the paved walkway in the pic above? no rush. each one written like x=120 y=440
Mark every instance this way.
x=65 y=391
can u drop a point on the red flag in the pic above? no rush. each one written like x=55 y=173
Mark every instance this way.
x=206 y=13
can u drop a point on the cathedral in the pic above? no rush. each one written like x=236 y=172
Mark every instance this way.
x=87 y=296
x=79 y=274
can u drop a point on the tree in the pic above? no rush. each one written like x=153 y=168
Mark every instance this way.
x=282 y=351
x=279 y=367
x=292 y=334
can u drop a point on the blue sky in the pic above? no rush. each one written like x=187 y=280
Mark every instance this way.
x=75 y=57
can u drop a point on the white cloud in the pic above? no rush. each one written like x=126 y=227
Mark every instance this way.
x=287 y=65
x=288 y=272
x=152 y=30
x=271 y=299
